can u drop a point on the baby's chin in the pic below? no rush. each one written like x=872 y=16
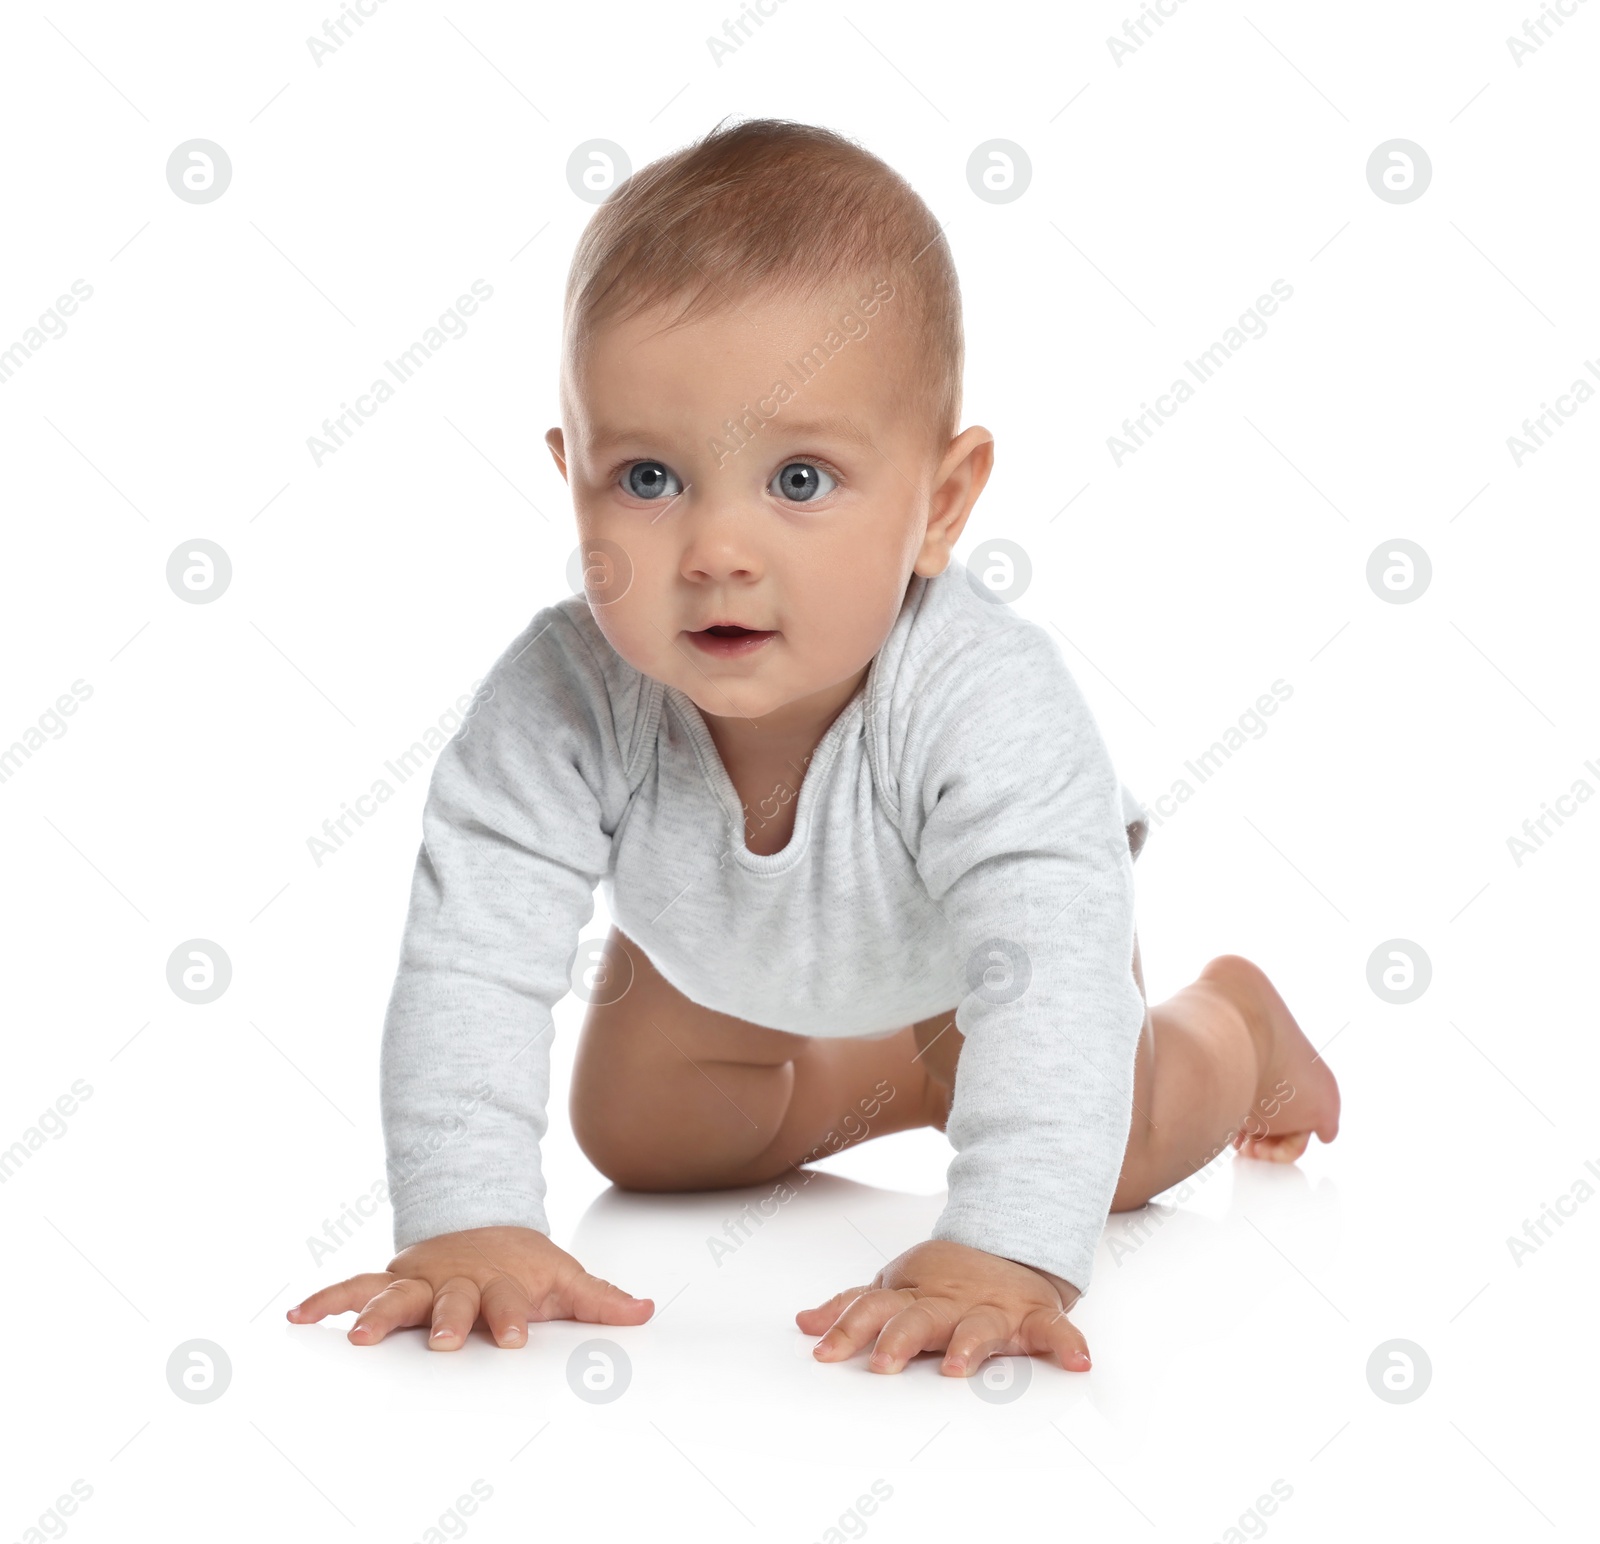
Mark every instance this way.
x=718 y=695
x=748 y=692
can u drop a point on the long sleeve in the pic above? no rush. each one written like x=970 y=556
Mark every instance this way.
x=516 y=835
x=1014 y=815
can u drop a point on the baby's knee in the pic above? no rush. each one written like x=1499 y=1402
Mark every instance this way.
x=623 y=1158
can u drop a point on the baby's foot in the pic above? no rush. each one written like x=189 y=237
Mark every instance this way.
x=1297 y=1093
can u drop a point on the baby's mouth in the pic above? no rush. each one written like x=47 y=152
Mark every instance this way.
x=728 y=640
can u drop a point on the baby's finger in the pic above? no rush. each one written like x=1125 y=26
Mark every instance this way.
x=403 y=1302
x=349 y=1296
x=1046 y=1330
x=455 y=1311
x=597 y=1301
x=860 y=1322
x=982 y=1333
x=815 y=1320
x=924 y=1326
x=506 y=1311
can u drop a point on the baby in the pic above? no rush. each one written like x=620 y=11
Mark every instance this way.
x=868 y=859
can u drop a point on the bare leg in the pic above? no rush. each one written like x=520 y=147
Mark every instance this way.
x=669 y=1095
x=1221 y=1062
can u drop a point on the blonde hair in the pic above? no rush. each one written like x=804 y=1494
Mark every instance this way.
x=773 y=207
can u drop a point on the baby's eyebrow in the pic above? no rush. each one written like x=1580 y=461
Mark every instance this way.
x=838 y=425
x=603 y=439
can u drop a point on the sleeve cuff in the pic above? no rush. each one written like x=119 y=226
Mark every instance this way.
x=426 y=1217
x=1017 y=1235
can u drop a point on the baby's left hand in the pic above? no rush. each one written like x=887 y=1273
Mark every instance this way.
x=947 y=1297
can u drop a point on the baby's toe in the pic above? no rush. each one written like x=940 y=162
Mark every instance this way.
x=1276 y=1149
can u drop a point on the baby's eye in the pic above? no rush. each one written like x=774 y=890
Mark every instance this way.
x=651 y=480
x=802 y=482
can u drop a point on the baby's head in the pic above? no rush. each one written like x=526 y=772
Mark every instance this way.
x=760 y=387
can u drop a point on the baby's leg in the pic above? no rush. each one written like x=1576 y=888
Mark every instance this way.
x=1221 y=1062
x=668 y=1095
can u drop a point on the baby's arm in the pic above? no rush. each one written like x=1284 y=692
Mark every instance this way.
x=1011 y=808
x=1019 y=834
x=515 y=839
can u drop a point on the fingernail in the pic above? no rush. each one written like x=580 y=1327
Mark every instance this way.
x=441 y=1334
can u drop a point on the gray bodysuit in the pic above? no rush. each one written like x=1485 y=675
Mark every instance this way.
x=961 y=840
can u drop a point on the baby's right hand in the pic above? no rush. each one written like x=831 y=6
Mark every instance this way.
x=506 y=1275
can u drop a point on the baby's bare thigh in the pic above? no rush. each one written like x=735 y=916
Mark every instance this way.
x=632 y=1049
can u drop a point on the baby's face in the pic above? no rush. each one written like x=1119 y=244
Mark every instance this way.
x=806 y=530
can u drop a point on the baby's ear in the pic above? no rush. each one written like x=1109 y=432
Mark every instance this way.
x=557 y=449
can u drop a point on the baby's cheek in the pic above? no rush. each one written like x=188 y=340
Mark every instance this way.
x=626 y=625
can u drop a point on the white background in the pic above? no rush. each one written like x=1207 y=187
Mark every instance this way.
x=368 y=593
